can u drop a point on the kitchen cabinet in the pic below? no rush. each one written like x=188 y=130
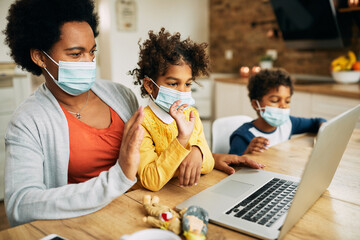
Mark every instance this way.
x=232 y=99
x=201 y=92
x=13 y=90
x=324 y=101
x=318 y=105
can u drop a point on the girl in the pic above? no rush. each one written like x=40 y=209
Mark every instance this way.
x=174 y=143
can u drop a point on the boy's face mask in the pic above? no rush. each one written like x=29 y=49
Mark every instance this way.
x=167 y=96
x=74 y=78
x=273 y=115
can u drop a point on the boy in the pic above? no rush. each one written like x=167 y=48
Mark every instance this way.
x=270 y=94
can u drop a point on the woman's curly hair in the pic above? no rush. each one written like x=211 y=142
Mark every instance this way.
x=162 y=50
x=36 y=24
x=261 y=83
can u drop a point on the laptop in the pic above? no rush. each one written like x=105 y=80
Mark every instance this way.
x=266 y=204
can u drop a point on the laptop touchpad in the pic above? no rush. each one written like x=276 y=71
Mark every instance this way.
x=232 y=188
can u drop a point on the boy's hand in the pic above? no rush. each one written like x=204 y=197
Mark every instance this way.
x=185 y=128
x=190 y=168
x=258 y=144
x=223 y=162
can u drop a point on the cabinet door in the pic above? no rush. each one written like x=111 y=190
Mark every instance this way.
x=227 y=99
x=246 y=108
x=329 y=106
x=301 y=104
x=232 y=99
x=202 y=95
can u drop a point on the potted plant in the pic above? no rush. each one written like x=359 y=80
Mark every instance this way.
x=266 y=61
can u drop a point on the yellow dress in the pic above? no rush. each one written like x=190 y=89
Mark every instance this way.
x=161 y=153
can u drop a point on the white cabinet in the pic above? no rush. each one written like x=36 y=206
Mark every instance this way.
x=201 y=92
x=317 y=105
x=301 y=104
x=232 y=99
x=13 y=90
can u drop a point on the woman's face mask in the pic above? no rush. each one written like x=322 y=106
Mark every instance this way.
x=273 y=115
x=167 y=96
x=74 y=78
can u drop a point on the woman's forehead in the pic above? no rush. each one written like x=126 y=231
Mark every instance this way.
x=76 y=34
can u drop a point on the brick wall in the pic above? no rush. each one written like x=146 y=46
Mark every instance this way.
x=230 y=28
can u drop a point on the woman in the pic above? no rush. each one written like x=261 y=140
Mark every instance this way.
x=68 y=149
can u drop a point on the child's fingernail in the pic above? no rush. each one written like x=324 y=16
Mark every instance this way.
x=195 y=183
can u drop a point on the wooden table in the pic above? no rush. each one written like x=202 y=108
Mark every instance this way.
x=335 y=215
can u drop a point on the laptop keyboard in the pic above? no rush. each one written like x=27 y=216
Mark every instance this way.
x=267 y=204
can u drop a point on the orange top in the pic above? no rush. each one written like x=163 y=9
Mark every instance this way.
x=92 y=150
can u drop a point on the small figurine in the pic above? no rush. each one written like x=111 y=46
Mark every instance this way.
x=161 y=216
x=194 y=219
x=194 y=223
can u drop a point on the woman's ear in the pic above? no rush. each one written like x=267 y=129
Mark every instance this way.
x=148 y=85
x=38 y=57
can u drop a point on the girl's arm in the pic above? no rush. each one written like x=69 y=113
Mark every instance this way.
x=200 y=160
x=208 y=159
x=155 y=170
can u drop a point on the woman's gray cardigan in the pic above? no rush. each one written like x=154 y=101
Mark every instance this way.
x=37 y=157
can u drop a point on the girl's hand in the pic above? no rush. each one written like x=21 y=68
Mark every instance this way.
x=185 y=128
x=258 y=144
x=190 y=168
x=129 y=156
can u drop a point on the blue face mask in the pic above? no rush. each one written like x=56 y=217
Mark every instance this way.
x=273 y=115
x=167 y=96
x=74 y=78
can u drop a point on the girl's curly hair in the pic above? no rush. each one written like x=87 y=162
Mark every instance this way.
x=261 y=83
x=162 y=50
x=36 y=24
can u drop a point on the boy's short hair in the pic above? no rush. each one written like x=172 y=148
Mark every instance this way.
x=162 y=50
x=261 y=83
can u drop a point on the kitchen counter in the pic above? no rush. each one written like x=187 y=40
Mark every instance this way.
x=333 y=89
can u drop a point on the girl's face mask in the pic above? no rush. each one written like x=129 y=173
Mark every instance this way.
x=273 y=115
x=167 y=96
x=74 y=78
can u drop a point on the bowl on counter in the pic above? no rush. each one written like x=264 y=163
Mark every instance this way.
x=346 y=76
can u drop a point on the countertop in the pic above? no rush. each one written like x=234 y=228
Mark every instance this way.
x=333 y=89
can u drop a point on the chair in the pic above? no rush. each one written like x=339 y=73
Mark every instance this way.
x=222 y=128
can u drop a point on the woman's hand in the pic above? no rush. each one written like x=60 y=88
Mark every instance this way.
x=257 y=144
x=129 y=157
x=223 y=162
x=190 y=168
x=185 y=128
